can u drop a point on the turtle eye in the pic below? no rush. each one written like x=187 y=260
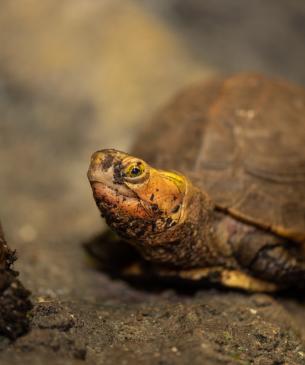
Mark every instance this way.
x=135 y=170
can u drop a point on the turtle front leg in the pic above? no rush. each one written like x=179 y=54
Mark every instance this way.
x=264 y=255
x=280 y=263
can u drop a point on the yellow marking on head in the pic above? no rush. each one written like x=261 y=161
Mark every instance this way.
x=178 y=179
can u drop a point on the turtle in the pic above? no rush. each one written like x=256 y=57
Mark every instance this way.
x=214 y=186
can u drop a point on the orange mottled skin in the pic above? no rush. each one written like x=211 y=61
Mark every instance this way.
x=176 y=225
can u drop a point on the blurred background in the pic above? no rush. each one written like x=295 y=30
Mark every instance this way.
x=80 y=75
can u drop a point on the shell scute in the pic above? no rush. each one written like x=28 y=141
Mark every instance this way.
x=242 y=140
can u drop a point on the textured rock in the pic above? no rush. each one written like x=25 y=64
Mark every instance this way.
x=14 y=298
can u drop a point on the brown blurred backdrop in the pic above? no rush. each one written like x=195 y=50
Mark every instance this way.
x=79 y=75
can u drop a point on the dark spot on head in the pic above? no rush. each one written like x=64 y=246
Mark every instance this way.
x=176 y=208
x=157 y=211
x=157 y=190
x=152 y=197
x=107 y=162
x=154 y=207
x=169 y=221
x=118 y=174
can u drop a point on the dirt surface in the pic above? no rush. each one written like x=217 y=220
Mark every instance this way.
x=76 y=76
x=211 y=326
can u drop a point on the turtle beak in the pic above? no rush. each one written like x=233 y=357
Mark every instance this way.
x=99 y=168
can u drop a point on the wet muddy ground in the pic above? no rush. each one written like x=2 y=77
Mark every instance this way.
x=76 y=76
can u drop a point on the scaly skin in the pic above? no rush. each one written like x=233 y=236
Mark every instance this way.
x=161 y=213
x=174 y=224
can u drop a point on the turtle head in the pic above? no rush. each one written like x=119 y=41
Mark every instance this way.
x=138 y=201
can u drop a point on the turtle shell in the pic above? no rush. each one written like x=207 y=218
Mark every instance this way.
x=242 y=140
